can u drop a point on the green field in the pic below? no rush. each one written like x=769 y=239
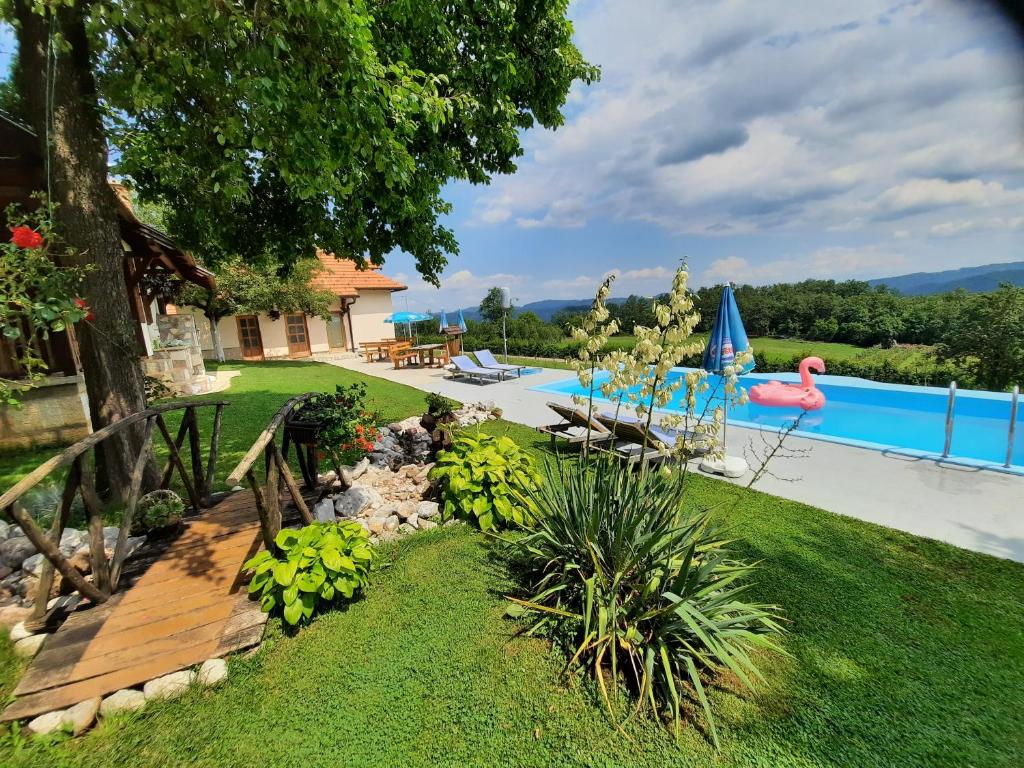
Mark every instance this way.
x=903 y=652
x=784 y=349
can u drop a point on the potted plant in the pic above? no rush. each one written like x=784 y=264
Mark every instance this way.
x=338 y=425
x=437 y=420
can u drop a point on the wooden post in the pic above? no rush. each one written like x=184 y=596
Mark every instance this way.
x=293 y=488
x=165 y=478
x=38 y=619
x=128 y=518
x=94 y=508
x=176 y=458
x=195 y=452
x=211 y=463
x=261 y=510
x=272 y=489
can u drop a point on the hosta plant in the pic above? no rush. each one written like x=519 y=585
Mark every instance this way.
x=646 y=595
x=312 y=568
x=487 y=480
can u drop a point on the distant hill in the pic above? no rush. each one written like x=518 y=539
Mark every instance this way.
x=973 y=279
x=545 y=309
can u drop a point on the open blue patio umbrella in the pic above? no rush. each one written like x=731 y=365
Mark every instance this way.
x=727 y=339
x=462 y=322
x=444 y=322
x=407 y=317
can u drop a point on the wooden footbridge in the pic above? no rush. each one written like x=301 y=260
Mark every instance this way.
x=182 y=602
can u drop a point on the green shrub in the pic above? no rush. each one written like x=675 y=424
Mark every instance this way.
x=487 y=479
x=314 y=567
x=440 y=406
x=646 y=595
x=159 y=509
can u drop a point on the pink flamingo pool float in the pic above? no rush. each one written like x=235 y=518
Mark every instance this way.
x=803 y=395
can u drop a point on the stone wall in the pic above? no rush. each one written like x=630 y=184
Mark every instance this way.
x=53 y=413
x=179 y=361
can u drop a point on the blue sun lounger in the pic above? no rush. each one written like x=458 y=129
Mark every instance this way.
x=466 y=367
x=487 y=360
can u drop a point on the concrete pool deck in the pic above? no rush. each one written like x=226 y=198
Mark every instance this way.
x=976 y=509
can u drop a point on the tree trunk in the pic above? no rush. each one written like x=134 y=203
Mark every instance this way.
x=72 y=137
x=218 y=348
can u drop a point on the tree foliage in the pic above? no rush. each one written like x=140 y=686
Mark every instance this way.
x=491 y=309
x=267 y=128
x=984 y=336
x=254 y=289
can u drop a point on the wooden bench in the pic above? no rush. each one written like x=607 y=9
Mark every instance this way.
x=402 y=352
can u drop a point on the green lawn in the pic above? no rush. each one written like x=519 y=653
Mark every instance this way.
x=904 y=652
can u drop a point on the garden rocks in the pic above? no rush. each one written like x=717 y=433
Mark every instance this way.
x=48 y=723
x=5 y=530
x=30 y=646
x=15 y=550
x=125 y=700
x=476 y=413
x=169 y=686
x=323 y=511
x=355 y=500
x=212 y=672
x=427 y=510
x=80 y=717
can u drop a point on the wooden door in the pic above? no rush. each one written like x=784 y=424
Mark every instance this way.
x=336 y=331
x=249 y=339
x=298 y=335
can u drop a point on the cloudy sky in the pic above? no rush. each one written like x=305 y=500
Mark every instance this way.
x=762 y=141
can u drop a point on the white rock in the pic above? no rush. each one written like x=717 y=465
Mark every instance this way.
x=18 y=632
x=48 y=723
x=376 y=524
x=406 y=510
x=405 y=528
x=355 y=500
x=30 y=646
x=34 y=565
x=426 y=525
x=80 y=717
x=323 y=511
x=71 y=540
x=125 y=700
x=392 y=523
x=237 y=488
x=169 y=686
x=212 y=671
x=428 y=509
x=414 y=520
x=5 y=530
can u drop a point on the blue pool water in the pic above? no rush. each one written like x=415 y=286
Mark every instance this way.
x=881 y=416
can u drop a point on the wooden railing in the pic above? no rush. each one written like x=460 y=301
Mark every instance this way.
x=80 y=481
x=267 y=494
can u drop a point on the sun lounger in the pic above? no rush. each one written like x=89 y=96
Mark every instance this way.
x=487 y=360
x=634 y=443
x=466 y=367
x=574 y=427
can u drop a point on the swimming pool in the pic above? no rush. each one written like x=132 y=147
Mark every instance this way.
x=906 y=419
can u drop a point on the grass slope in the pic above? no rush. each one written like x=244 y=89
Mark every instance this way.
x=903 y=652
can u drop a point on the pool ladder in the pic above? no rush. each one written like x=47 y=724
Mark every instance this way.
x=1010 y=432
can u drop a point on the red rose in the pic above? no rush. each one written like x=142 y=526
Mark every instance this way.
x=81 y=304
x=26 y=237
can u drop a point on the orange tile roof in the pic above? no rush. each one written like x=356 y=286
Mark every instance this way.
x=343 y=278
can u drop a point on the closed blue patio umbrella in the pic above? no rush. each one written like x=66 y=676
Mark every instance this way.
x=444 y=322
x=462 y=322
x=727 y=339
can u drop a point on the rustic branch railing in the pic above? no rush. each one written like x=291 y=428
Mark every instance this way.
x=80 y=481
x=276 y=472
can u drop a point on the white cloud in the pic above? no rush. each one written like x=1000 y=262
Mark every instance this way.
x=740 y=117
x=833 y=262
x=964 y=226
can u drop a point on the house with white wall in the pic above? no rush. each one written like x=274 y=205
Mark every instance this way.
x=362 y=301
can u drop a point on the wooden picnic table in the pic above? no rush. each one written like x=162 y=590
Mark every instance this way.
x=427 y=350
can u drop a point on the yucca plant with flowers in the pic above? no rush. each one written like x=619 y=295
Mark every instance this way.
x=648 y=596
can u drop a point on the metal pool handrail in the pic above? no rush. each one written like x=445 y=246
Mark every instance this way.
x=949 y=419
x=1013 y=425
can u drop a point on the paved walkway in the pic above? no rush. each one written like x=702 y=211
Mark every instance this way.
x=971 y=508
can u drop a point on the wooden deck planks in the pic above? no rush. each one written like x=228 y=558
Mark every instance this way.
x=179 y=608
